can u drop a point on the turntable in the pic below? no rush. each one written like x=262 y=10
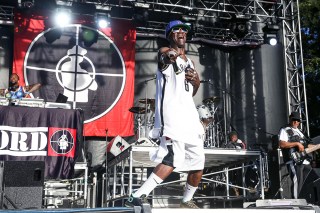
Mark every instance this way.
x=29 y=102
x=4 y=101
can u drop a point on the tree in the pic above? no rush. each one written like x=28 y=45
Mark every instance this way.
x=310 y=24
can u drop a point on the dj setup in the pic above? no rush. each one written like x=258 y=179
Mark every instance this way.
x=33 y=102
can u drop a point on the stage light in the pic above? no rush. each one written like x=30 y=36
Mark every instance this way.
x=271 y=34
x=62 y=17
x=125 y=13
x=102 y=20
x=140 y=16
x=103 y=23
x=240 y=24
x=53 y=35
x=89 y=37
x=272 y=41
x=83 y=8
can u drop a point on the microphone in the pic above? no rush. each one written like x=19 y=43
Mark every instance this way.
x=175 y=67
x=150 y=79
x=205 y=81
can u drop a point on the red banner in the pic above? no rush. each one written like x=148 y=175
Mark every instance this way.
x=93 y=68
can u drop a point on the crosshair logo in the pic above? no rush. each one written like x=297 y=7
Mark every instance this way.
x=62 y=141
x=79 y=62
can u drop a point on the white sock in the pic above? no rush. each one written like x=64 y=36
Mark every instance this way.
x=188 y=192
x=147 y=187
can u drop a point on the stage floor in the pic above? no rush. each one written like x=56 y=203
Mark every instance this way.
x=167 y=210
x=259 y=206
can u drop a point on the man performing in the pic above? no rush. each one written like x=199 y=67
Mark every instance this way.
x=291 y=139
x=15 y=91
x=176 y=120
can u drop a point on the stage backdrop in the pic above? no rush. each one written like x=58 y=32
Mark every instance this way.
x=93 y=68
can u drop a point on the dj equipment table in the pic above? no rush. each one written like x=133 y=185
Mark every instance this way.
x=223 y=159
x=42 y=134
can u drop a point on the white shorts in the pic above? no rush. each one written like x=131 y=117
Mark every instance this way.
x=180 y=155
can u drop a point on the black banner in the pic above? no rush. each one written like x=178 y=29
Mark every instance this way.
x=39 y=134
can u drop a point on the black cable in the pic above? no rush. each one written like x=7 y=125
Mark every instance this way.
x=10 y=201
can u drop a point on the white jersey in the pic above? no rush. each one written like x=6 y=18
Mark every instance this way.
x=176 y=112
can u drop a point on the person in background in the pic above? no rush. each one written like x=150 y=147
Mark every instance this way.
x=235 y=142
x=16 y=91
x=177 y=122
x=291 y=140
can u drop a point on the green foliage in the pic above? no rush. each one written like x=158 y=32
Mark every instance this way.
x=313 y=100
x=310 y=24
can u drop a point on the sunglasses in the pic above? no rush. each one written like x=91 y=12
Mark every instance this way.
x=296 y=120
x=177 y=29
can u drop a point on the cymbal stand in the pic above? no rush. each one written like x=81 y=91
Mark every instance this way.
x=224 y=137
x=211 y=136
x=147 y=106
x=225 y=116
x=139 y=126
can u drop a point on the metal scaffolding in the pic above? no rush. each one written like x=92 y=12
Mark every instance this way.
x=296 y=89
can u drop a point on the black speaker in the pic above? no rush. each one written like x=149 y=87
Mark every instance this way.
x=279 y=185
x=310 y=189
x=23 y=184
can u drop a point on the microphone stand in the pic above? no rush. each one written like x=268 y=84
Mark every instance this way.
x=280 y=190
x=268 y=133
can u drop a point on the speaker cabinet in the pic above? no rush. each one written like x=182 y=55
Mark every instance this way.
x=23 y=184
x=278 y=184
x=310 y=189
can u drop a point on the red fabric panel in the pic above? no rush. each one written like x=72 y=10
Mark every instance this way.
x=28 y=31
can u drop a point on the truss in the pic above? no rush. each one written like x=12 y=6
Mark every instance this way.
x=211 y=19
x=296 y=89
x=6 y=15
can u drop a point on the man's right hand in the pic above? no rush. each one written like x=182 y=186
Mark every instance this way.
x=300 y=147
x=167 y=56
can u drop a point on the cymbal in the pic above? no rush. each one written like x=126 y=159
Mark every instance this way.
x=211 y=99
x=149 y=101
x=138 y=110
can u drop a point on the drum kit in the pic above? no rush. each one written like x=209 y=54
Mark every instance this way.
x=210 y=120
x=144 y=119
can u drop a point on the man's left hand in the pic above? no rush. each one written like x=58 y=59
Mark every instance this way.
x=193 y=77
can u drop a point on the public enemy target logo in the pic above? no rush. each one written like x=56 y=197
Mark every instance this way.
x=62 y=142
x=79 y=62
